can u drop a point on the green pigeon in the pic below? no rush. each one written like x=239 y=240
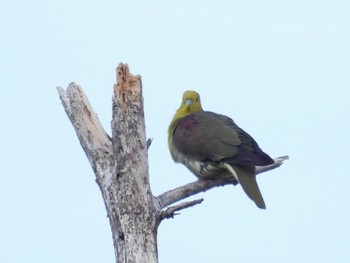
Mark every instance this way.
x=212 y=146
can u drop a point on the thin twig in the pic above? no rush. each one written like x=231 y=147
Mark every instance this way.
x=170 y=212
x=278 y=162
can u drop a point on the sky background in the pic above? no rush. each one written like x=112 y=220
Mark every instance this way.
x=280 y=69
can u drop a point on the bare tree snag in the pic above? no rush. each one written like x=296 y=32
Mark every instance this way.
x=120 y=164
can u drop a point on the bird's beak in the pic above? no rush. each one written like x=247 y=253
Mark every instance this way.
x=189 y=102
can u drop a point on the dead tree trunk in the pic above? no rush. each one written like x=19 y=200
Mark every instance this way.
x=120 y=164
x=133 y=212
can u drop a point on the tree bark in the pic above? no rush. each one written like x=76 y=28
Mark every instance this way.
x=134 y=214
x=120 y=164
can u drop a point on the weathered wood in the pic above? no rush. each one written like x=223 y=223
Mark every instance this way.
x=120 y=166
x=134 y=215
x=93 y=139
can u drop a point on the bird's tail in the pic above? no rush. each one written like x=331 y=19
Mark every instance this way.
x=246 y=177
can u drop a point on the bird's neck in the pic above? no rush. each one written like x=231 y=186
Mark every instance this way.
x=185 y=111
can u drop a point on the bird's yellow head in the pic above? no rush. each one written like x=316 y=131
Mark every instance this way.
x=191 y=103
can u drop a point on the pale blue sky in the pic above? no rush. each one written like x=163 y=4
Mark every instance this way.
x=280 y=69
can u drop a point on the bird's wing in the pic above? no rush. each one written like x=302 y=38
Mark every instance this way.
x=208 y=136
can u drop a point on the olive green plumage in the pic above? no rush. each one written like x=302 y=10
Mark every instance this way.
x=213 y=146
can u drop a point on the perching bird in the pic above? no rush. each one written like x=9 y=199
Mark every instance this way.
x=212 y=146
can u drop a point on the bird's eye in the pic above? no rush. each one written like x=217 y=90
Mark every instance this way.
x=188 y=102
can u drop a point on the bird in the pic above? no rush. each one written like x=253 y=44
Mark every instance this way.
x=213 y=146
